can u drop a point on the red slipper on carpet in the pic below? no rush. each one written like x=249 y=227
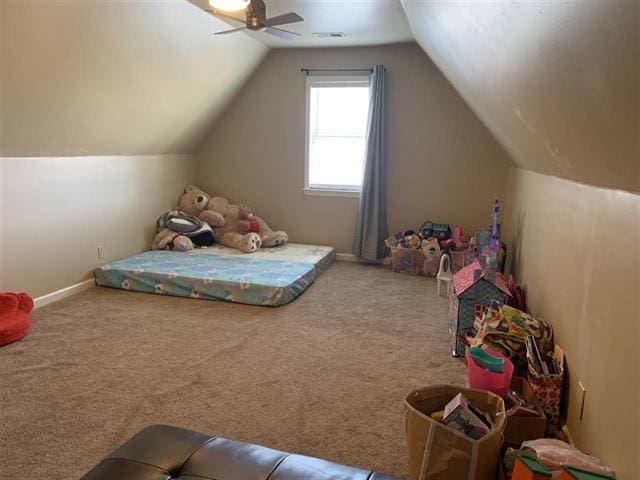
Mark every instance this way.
x=15 y=321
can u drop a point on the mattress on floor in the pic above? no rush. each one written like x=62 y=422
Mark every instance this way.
x=271 y=276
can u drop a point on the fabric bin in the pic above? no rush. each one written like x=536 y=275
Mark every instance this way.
x=438 y=452
x=520 y=429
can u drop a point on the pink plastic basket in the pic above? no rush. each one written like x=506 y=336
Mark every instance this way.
x=497 y=383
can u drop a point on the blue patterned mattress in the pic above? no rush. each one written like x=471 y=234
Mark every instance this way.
x=272 y=277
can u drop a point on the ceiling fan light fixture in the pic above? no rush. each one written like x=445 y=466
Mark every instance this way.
x=229 y=5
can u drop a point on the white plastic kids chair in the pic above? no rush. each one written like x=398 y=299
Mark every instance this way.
x=444 y=274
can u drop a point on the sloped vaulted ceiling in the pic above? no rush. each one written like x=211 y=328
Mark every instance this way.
x=93 y=77
x=556 y=82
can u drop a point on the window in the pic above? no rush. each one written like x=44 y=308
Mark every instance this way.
x=337 y=111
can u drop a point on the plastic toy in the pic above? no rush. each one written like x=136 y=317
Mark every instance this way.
x=394 y=241
x=432 y=253
x=448 y=244
x=483 y=379
x=486 y=245
x=431 y=247
x=458 y=238
x=494 y=243
x=441 y=231
x=426 y=230
x=529 y=468
x=413 y=241
x=487 y=361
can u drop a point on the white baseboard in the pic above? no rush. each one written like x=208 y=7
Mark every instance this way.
x=63 y=293
x=346 y=257
x=349 y=257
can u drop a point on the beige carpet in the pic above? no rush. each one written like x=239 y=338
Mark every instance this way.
x=325 y=375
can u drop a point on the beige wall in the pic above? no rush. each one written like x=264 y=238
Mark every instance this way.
x=443 y=163
x=114 y=77
x=577 y=253
x=55 y=211
x=557 y=82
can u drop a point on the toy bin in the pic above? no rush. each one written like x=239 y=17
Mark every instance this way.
x=408 y=260
x=482 y=379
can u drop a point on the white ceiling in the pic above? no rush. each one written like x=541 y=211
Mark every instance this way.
x=364 y=22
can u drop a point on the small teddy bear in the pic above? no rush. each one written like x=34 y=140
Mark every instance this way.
x=258 y=225
x=244 y=230
x=167 y=239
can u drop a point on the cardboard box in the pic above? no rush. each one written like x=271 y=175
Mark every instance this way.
x=520 y=429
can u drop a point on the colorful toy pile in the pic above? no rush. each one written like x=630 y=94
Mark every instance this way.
x=505 y=329
x=419 y=251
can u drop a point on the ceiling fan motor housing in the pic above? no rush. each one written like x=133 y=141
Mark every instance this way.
x=256 y=15
x=256 y=20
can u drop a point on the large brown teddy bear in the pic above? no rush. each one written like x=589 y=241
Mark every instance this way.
x=195 y=202
x=240 y=229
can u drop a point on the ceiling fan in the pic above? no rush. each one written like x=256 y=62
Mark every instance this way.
x=256 y=17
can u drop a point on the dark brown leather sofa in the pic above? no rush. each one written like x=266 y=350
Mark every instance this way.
x=161 y=452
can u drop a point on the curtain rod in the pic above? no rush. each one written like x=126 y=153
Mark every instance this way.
x=309 y=70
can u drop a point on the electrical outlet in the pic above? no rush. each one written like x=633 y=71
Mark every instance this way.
x=100 y=249
x=583 y=395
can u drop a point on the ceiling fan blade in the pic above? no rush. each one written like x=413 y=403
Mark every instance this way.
x=224 y=32
x=290 y=17
x=278 y=32
x=217 y=13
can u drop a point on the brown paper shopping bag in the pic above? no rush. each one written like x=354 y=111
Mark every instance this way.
x=438 y=452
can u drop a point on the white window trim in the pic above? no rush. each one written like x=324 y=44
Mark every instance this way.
x=324 y=192
x=326 y=81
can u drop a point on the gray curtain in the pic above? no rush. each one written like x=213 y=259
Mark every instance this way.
x=371 y=222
